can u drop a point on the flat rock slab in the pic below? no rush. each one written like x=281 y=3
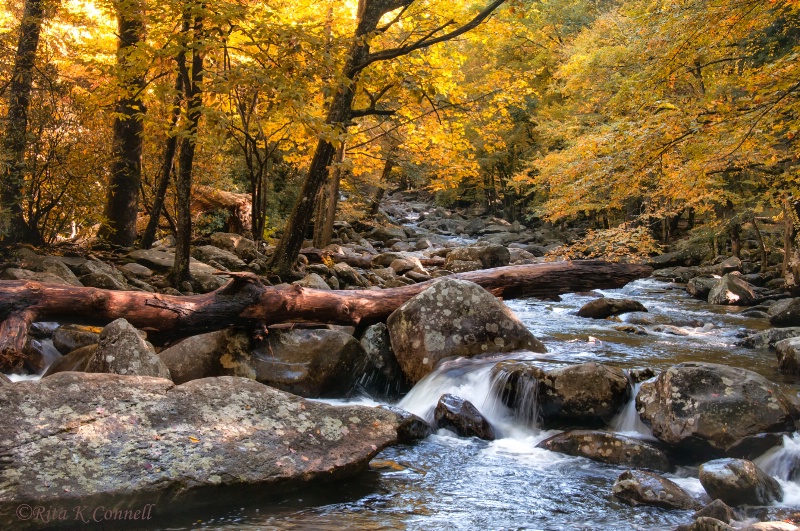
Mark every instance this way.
x=81 y=438
x=164 y=260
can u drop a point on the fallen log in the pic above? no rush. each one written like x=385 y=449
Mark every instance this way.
x=246 y=302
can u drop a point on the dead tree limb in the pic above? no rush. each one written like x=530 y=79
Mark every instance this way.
x=246 y=302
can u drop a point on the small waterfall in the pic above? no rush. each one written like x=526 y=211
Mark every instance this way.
x=783 y=462
x=520 y=393
x=627 y=421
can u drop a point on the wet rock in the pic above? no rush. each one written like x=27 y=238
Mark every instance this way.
x=38 y=355
x=382 y=375
x=308 y=363
x=605 y=307
x=70 y=337
x=203 y=355
x=586 y=395
x=488 y=256
x=138 y=437
x=77 y=360
x=637 y=487
x=754 y=446
x=4 y=380
x=731 y=289
x=718 y=510
x=739 y=482
x=641 y=375
x=459 y=415
x=209 y=253
x=313 y=281
x=769 y=338
x=122 y=350
x=454 y=318
x=788 y=353
x=607 y=447
x=705 y=407
x=771 y=526
x=700 y=287
x=786 y=313
x=410 y=427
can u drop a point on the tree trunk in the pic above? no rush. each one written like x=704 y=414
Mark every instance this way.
x=122 y=204
x=762 y=248
x=245 y=301
x=180 y=270
x=14 y=228
x=329 y=197
x=166 y=166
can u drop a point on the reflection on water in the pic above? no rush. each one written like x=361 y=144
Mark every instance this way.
x=451 y=483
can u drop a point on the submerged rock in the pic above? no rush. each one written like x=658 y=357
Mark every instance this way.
x=605 y=307
x=454 y=318
x=739 y=482
x=77 y=437
x=705 y=407
x=608 y=447
x=459 y=415
x=637 y=487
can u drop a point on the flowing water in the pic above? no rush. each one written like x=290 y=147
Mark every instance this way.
x=451 y=483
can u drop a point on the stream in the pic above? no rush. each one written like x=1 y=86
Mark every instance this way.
x=449 y=483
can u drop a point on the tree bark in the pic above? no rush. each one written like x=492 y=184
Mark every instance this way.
x=191 y=82
x=14 y=141
x=329 y=197
x=122 y=203
x=245 y=301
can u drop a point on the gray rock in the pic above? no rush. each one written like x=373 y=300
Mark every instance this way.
x=56 y=267
x=164 y=260
x=739 y=482
x=209 y=253
x=454 y=318
x=122 y=350
x=463 y=266
x=588 y=394
x=787 y=314
x=387 y=234
x=77 y=437
x=707 y=523
x=347 y=274
x=15 y=273
x=103 y=281
x=488 y=256
x=459 y=415
x=70 y=337
x=705 y=407
x=731 y=289
x=137 y=270
x=788 y=353
x=769 y=338
x=89 y=267
x=402 y=265
x=718 y=510
x=611 y=448
x=205 y=355
x=605 y=307
x=235 y=243
x=410 y=427
x=4 y=380
x=313 y=281
x=637 y=487
x=700 y=287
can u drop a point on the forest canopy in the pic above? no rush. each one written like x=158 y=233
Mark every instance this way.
x=633 y=113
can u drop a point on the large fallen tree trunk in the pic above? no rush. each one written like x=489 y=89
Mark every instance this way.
x=245 y=301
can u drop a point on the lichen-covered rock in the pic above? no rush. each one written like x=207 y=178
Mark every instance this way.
x=76 y=437
x=201 y=356
x=731 y=289
x=308 y=363
x=705 y=407
x=122 y=350
x=454 y=318
x=637 y=487
x=461 y=416
x=739 y=482
x=488 y=256
x=225 y=258
x=605 y=307
x=382 y=376
x=788 y=353
x=607 y=447
x=585 y=395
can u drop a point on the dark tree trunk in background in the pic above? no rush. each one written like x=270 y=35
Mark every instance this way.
x=122 y=204
x=13 y=227
x=191 y=82
x=166 y=166
x=387 y=171
x=329 y=198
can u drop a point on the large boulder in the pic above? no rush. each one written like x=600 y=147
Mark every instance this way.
x=584 y=395
x=489 y=256
x=208 y=254
x=205 y=355
x=731 y=289
x=787 y=314
x=700 y=287
x=164 y=260
x=637 y=487
x=769 y=338
x=454 y=318
x=705 y=407
x=739 y=482
x=788 y=353
x=309 y=363
x=383 y=376
x=605 y=307
x=461 y=416
x=607 y=447
x=235 y=243
x=78 y=438
x=122 y=350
